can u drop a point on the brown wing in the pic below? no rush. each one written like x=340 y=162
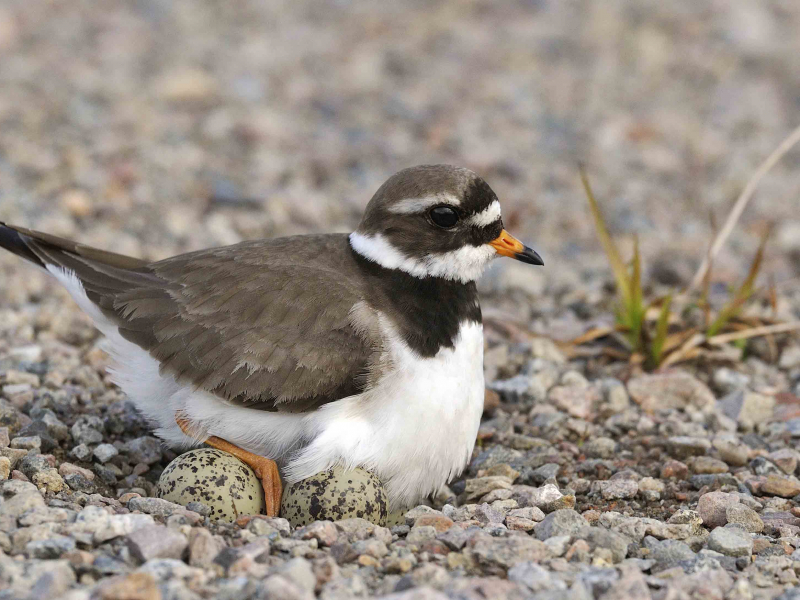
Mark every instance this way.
x=267 y=324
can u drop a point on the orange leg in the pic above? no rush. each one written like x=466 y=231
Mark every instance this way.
x=266 y=470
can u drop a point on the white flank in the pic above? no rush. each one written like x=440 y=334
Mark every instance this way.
x=410 y=206
x=465 y=264
x=487 y=216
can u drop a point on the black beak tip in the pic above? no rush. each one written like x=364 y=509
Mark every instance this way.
x=530 y=256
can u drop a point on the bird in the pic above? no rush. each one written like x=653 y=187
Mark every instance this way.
x=296 y=354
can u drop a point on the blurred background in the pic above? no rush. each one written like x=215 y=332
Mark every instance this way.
x=151 y=127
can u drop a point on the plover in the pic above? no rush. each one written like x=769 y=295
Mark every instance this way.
x=299 y=353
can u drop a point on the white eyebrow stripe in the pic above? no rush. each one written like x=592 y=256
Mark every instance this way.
x=487 y=216
x=409 y=206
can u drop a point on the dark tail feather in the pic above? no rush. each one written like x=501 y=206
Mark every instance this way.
x=99 y=271
x=13 y=241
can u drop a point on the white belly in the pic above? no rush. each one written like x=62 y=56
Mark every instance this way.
x=415 y=429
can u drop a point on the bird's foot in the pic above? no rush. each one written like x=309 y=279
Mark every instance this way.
x=266 y=470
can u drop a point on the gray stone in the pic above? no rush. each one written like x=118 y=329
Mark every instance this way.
x=156 y=541
x=19 y=497
x=617 y=489
x=546 y=498
x=740 y=514
x=52 y=547
x=731 y=541
x=105 y=452
x=542 y=474
x=668 y=553
x=599 y=537
x=88 y=430
x=683 y=446
x=155 y=506
x=145 y=449
x=81 y=452
x=535 y=577
x=561 y=522
x=497 y=555
x=298 y=570
x=601 y=447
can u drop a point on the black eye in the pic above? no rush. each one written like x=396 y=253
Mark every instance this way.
x=444 y=216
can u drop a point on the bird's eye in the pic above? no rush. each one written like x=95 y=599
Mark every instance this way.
x=444 y=216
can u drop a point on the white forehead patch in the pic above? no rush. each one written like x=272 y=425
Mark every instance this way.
x=487 y=216
x=410 y=206
x=464 y=264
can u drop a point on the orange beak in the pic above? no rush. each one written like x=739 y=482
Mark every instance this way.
x=507 y=245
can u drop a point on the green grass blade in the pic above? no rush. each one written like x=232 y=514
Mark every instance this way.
x=662 y=326
x=618 y=266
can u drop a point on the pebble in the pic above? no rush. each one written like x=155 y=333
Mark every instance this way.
x=712 y=508
x=731 y=541
x=617 y=489
x=739 y=514
x=156 y=541
x=560 y=522
x=105 y=452
x=785 y=487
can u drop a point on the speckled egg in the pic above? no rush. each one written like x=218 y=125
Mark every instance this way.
x=217 y=479
x=333 y=495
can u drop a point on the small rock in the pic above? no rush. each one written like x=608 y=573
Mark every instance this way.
x=674 y=469
x=155 y=506
x=708 y=465
x=65 y=469
x=132 y=586
x=33 y=442
x=576 y=400
x=651 y=489
x=145 y=449
x=785 y=487
x=439 y=522
x=547 y=498
x=731 y=450
x=748 y=409
x=740 y=514
x=203 y=547
x=677 y=390
x=668 y=553
x=324 y=532
x=81 y=452
x=731 y=541
x=598 y=537
x=617 y=489
x=52 y=547
x=685 y=446
x=601 y=447
x=105 y=452
x=560 y=522
x=478 y=487
x=712 y=508
x=87 y=430
x=786 y=458
x=156 y=541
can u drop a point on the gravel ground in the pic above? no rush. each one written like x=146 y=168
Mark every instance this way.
x=152 y=128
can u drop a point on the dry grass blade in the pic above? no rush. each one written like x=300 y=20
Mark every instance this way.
x=726 y=338
x=743 y=294
x=685 y=351
x=591 y=335
x=741 y=204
